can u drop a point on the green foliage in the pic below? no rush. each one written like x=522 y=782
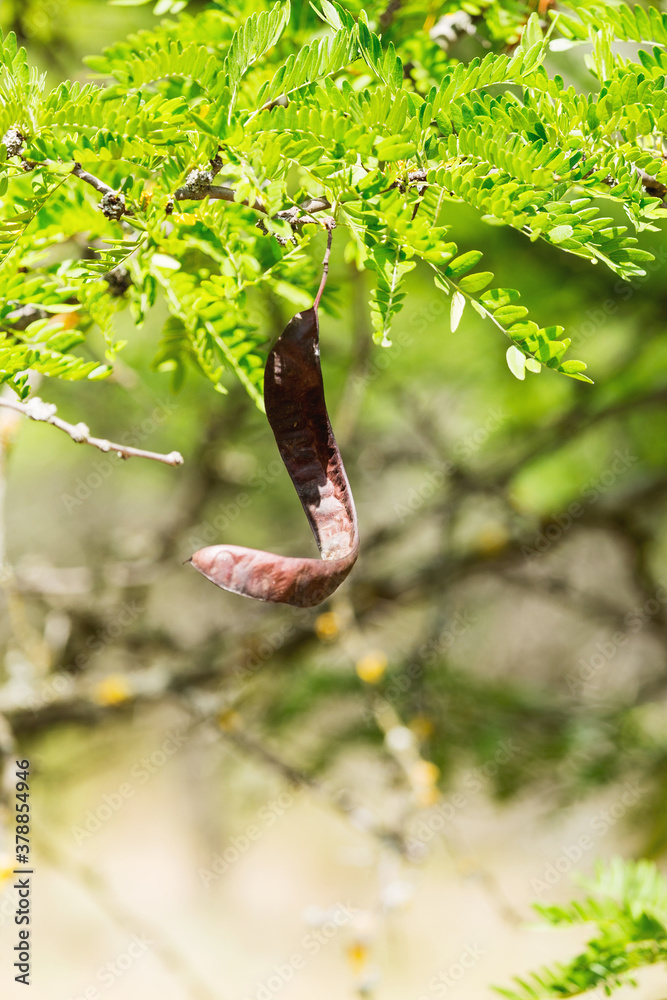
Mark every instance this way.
x=628 y=903
x=372 y=116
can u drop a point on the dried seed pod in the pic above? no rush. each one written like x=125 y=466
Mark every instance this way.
x=297 y=413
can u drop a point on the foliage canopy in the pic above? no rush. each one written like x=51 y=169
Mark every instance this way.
x=218 y=140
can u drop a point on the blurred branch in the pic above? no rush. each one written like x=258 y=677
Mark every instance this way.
x=574 y=422
x=166 y=952
x=575 y=599
x=342 y=803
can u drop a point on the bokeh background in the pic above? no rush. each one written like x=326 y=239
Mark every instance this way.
x=233 y=800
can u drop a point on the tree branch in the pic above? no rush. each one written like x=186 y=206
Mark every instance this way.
x=392 y=837
x=198 y=190
x=653 y=186
x=37 y=409
x=198 y=185
x=113 y=203
x=95 y=182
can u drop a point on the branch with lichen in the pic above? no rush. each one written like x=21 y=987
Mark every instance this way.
x=113 y=202
x=37 y=409
x=199 y=184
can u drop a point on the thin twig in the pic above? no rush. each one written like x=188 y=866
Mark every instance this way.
x=315 y=205
x=364 y=820
x=95 y=182
x=37 y=409
x=200 y=189
x=113 y=202
x=330 y=225
x=218 y=191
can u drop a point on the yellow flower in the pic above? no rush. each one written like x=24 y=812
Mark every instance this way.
x=425 y=797
x=492 y=539
x=425 y=772
x=421 y=726
x=229 y=720
x=371 y=668
x=424 y=776
x=357 y=954
x=326 y=627
x=113 y=690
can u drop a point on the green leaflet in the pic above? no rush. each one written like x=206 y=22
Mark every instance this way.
x=170 y=57
x=316 y=60
x=532 y=347
x=390 y=264
x=249 y=42
x=627 y=906
x=213 y=334
x=632 y=24
x=44 y=347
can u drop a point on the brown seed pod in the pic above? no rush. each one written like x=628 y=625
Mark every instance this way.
x=297 y=413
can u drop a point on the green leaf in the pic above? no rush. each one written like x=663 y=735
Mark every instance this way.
x=508 y=315
x=516 y=362
x=560 y=234
x=474 y=283
x=394 y=148
x=456 y=312
x=461 y=265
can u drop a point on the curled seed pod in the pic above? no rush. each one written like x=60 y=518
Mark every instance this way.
x=297 y=413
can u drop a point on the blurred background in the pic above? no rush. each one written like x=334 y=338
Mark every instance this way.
x=233 y=800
